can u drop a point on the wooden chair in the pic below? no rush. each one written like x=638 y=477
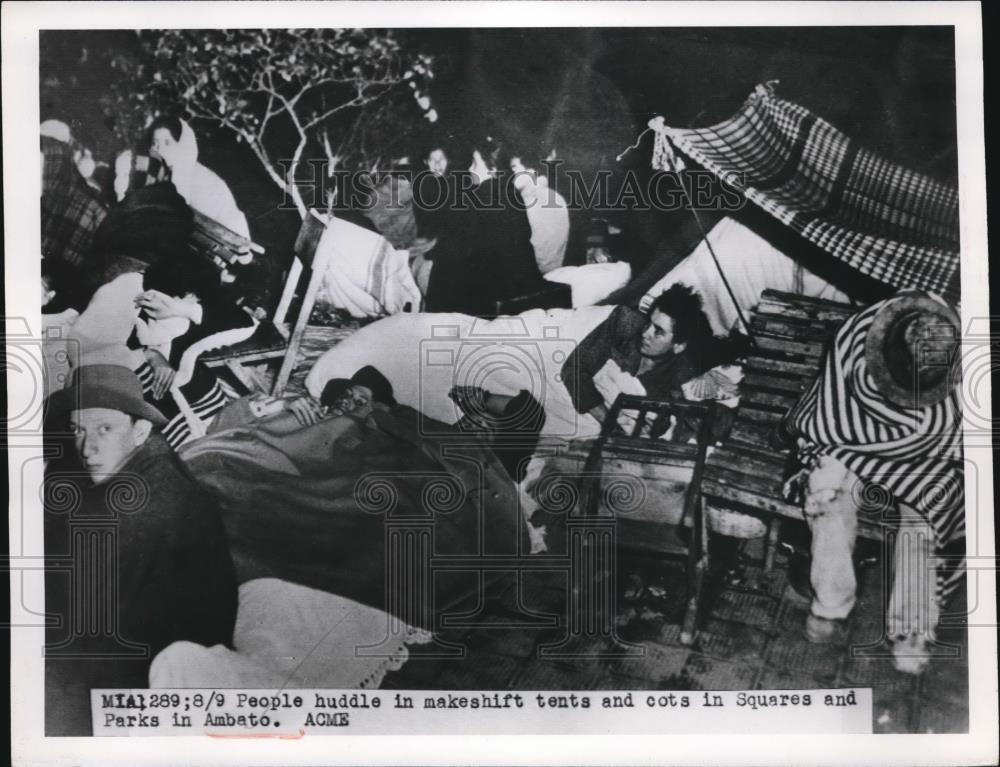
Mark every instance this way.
x=270 y=340
x=273 y=339
x=660 y=539
x=220 y=244
x=748 y=471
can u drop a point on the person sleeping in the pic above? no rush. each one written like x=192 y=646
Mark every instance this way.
x=298 y=436
x=313 y=503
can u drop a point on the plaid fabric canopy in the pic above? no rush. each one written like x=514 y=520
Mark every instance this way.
x=892 y=224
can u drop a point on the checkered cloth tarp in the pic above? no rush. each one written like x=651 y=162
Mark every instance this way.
x=892 y=224
x=71 y=212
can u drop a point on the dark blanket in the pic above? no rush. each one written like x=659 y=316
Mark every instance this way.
x=330 y=528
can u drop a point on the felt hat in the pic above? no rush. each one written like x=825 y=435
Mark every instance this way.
x=380 y=387
x=910 y=349
x=103 y=386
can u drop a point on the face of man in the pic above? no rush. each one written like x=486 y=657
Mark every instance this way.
x=165 y=146
x=437 y=162
x=356 y=401
x=105 y=439
x=658 y=337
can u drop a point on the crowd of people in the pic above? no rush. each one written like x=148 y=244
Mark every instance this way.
x=270 y=489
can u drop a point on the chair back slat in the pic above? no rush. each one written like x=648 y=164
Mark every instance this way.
x=307 y=240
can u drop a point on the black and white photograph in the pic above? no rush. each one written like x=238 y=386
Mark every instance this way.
x=498 y=369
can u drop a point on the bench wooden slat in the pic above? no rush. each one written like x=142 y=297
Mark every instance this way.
x=792 y=328
x=780 y=401
x=801 y=370
x=784 y=346
x=755 y=380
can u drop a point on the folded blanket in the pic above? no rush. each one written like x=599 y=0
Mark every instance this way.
x=288 y=635
x=366 y=276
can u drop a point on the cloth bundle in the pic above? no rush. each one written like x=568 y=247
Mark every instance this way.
x=914 y=454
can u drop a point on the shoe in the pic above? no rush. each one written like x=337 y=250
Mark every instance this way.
x=824 y=630
x=910 y=654
x=635 y=587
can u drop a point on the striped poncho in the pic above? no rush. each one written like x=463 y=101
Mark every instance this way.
x=904 y=455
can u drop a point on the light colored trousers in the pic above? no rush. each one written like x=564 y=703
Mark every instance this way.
x=913 y=606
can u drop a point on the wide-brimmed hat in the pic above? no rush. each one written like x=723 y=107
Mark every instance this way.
x=909 y=371
x=380 y=387
x=103 y=386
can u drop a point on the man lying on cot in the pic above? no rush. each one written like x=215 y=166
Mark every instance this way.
x=659 y=355
x=312 y=504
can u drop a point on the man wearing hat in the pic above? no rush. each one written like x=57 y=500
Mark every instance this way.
x=881 y=427
x=172 y=575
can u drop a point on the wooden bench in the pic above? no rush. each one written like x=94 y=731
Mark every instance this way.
x=747 y=473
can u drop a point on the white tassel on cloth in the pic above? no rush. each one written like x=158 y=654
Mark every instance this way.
x=664 y=156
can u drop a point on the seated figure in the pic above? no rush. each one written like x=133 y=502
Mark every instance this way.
x=883 y=423
x=173 y=577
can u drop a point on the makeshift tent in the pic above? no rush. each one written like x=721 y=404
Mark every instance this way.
x=751 y=264
x=889 y=223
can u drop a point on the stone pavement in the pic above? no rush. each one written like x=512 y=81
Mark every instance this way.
x=750 y=638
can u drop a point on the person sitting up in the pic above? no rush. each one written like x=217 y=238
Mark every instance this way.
x=71 y=214
x=485 y=255
x=172 y=575
x=631 y=352
x=881 y=425
x=172 y=140
x=547 y=212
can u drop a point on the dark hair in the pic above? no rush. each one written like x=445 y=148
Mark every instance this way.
x=490 y=149
x=684 y=306
x=171 y=122
x=151 y=223
x=530 y=154
x=433 y=146
x=334 y=389
x=691 y=326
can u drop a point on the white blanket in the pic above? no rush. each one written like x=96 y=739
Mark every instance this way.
x=287 y=635
x=425 y=355
x=365 y=276
x=751 y=265
x=591 y=283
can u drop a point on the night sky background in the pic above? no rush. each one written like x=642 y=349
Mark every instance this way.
x=589 y=92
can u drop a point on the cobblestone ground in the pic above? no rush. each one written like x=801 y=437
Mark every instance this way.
x=750 y=638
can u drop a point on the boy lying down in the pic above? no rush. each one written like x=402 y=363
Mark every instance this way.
x=313 y=503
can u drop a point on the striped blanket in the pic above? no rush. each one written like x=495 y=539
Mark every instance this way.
x=892 y=224
x=908 y=455
x=177 y=431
